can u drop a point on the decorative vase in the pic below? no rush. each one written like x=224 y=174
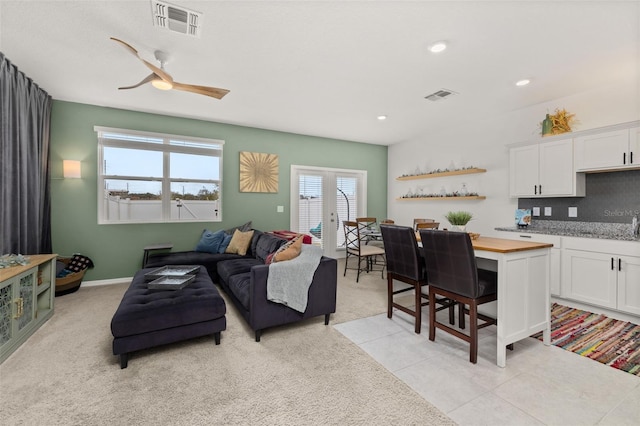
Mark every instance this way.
x=461 y=228
x=546 y=126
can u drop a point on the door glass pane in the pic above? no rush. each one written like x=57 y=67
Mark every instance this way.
x=310 y=207
x=346 y=203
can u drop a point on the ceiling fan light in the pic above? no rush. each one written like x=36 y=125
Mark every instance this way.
x=438 y=47
x=161 y=84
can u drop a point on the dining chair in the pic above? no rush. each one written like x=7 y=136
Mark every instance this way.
x=453 y=273
x=406 y=264
x=417 y=221
x=369 y=230
x=388 y=221
x=356 y=248
x=427 y=225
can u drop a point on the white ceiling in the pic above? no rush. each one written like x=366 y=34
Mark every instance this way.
x=328 y=68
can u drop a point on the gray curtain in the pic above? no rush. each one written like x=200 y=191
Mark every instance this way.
x=25 y=200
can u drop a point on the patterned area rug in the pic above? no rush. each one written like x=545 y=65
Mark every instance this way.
x=606 y=340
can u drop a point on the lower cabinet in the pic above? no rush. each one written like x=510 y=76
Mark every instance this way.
x=602 y=273
x=26 y=300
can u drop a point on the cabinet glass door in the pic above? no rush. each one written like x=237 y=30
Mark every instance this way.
x=6 y=297
x=26 y=303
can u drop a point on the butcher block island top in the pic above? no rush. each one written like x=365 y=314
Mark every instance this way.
x=502 y=245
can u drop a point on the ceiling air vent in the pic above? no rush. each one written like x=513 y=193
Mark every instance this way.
x=175 y=18
x=440 y=94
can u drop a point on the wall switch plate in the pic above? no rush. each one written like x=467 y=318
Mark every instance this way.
x=573 y=212
x=547 y=211
x=280 y=209
x=536 y=211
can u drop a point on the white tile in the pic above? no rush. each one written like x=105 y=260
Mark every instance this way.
x=627 y=411
x=489 y=409
x=551 y=401
x=366 y=329
x=436 y=381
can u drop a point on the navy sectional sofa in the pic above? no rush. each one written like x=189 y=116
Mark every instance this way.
x=244 y=280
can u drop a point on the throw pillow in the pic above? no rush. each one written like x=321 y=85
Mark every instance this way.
x=240 y=242
x=225 y=243
x=289 y=251
x=210 y=241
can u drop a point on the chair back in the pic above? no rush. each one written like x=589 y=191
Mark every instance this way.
x=427 y=225
x=351 y=236
x=417 y=221
x=389 y=221
x=450 y=261
x=401 y=251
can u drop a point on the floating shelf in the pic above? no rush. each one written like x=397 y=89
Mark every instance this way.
x=442 y=174
x=472 y=197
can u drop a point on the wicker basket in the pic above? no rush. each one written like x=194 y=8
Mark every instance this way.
x=68 y=283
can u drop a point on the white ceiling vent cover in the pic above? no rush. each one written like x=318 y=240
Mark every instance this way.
x=440 y=94
x=176 y=18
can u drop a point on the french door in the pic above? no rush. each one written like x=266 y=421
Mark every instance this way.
x=321 y=199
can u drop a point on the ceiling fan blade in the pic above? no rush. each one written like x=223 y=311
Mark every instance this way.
x=147 y=79
x=158 y=71
x=214 y=92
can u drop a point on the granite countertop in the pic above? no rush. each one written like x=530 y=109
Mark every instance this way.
x=610 y=231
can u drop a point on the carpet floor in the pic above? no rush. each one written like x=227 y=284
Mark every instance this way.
x=301 y=374
x=612 y=342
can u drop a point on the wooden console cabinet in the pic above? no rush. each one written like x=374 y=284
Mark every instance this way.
x=26 y=300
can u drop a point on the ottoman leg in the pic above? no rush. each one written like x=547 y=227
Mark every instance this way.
x=216 y=337
x=124 y=360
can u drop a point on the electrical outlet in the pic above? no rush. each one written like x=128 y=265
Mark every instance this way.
x=536 y=211
x=280 y=209
x=547 y=211
x=573 y=212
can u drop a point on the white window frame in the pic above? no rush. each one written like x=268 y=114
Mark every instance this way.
x=166 y=148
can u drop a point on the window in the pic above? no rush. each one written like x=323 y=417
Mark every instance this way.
x=151 y=177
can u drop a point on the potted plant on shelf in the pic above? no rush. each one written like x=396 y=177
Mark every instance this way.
x=459 y=219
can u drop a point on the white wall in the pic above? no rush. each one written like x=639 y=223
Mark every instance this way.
x=483 y=143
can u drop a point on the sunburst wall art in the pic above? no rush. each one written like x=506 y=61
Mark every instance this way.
x=258 y=172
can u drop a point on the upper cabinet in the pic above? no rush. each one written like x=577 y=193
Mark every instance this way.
x=614 y=150
x=544 y=170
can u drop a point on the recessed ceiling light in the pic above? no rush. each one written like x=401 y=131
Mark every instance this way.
x=523 y=82
x=438 y=47
x=382 y=117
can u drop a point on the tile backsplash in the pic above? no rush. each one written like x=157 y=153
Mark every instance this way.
x=612 y=197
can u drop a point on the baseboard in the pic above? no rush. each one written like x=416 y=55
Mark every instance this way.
x=621 y=316
x=111 y=281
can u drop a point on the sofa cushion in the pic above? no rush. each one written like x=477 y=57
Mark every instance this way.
x=232 y=267
x=240 y=242
x=240 y=286
x=210 y=241
x=265 y=245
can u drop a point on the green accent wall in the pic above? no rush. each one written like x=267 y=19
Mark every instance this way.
x=117 y=249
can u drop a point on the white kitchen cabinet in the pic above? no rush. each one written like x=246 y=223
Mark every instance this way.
x=614 y=150
x=544 y=170
x=554 y=255
x=604 y=273
x=629 y=284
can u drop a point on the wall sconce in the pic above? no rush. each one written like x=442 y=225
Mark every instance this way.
x=71 y=169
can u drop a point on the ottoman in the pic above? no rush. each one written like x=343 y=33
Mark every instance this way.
x=148 y=318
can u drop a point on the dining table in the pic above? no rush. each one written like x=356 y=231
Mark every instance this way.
x=523 y=305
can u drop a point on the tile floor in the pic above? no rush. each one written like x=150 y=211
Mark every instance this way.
x=541 y=385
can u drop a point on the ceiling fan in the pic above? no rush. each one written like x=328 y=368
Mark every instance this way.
x=160 y=79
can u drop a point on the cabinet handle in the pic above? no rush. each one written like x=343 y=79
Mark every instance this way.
x=624 y=158
x=525 y=236
x=612 y=267
x=535 y=189
x=540 y=189
x=619 y=264
x=631 y=157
